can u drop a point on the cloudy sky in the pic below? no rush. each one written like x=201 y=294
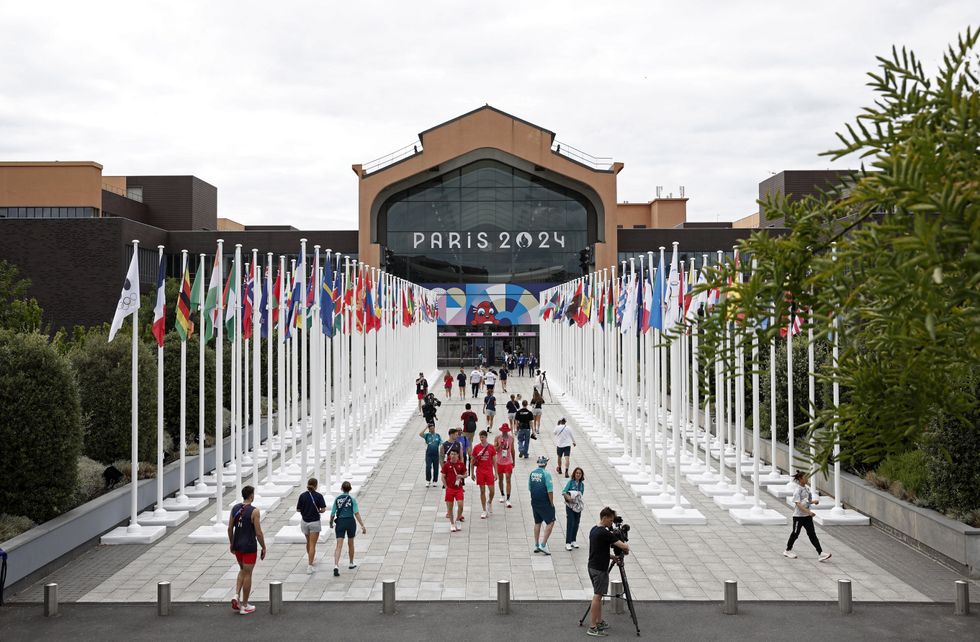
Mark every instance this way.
x=273 y=102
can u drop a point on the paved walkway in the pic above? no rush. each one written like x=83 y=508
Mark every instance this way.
x=409 y=540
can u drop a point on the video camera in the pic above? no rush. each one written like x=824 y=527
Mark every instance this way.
x=620 y=530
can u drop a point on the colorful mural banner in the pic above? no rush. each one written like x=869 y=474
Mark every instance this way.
x=488 y=305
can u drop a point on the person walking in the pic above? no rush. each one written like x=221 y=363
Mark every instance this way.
x=574 y=505
x=502 y=375
x=433 y=442
x=244 y=531
x=601 y=541
x=489 y=407
x=490 y=380
x=453 y=474
x=504 y=444
x=511 y=409
x=469 y=421
x=542 y=504
x=484 y=463
x=451 y=444
x=343 y=514
x=523 y=417
x=421 y=387
x=476 y=379
x=430 y=406
x=803 y=518
x=309 y=506
x=447 y=383
x=521 y=363
x=537 y=409
x=564 y=440
x=461 y=382
x=532 y=363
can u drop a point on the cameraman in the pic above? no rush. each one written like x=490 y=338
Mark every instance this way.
x=601 y=538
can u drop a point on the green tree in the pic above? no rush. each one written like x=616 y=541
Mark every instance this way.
x=18 y=311
x=40 y=427
x=171 y=387
x=893 y=256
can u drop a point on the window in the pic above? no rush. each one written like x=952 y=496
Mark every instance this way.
x=639 y=227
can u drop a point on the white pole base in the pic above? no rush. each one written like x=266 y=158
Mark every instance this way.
x=285 y=479
x=663 y=500
x=200 y=491
x=210 y=534
x=355 y=486
x=757 y=516
x=272 y=490
x=781 y=491
x=706 y=477
x=186 y=503
x=646 y=490
x=211 y=480
x=746 y=462
x=291 y=534
x=262 y=503
x=131 y=535
x=764 y=469
x=678 y=515
x=777 y=480
x=694 y=468
x=738 y=500
x=717 y=489
x=162 y=518
x=841 y=517
x=826 y=503
x=225 y=515
x=640 y=478
x=622 y=460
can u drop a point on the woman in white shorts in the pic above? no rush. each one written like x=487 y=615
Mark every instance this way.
x=537 y=408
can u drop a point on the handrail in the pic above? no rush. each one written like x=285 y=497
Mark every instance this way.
x=390 y=159
x=584 y=158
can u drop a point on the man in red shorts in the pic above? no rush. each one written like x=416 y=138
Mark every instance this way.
x=244 y=529
x=453 y=474
x=504 y=445
x=484 y=460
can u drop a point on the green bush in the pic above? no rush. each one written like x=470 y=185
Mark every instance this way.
x=801 y=399
x=910 y=469
x=171 y=388
x=952 y=447
x=103 y=371
x=40 y=428
x=13 y=525
x=91 y=484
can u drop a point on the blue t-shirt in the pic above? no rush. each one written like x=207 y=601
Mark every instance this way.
x=432 y=442
x=344 y=507
x=539 y=483
x=309 y=504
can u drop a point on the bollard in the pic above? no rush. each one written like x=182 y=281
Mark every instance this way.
x=275 y=598
x=844 y=596
x=388 y=597
x=163 y=598
x=962 y=606
x=503 y=597
x=616 y=589
x=730 y=606
x=50 y=600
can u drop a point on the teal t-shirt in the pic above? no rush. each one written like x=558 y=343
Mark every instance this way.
x=432 y=442
x=344 y=506
x=571 y=484
x=539 y=483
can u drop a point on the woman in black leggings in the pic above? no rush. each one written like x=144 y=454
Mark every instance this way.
x=803 y=518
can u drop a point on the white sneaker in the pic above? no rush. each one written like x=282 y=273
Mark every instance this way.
x=568 y=547
x=427 y=484
x=790 y=554
x=574 y=544
x=246 y=609
x=483 y=515
x=309 y=569
x=509 y=505
x=501 y=500
x=452 y=528
x=824 y=557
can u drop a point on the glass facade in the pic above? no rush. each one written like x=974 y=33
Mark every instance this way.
x=486 y=222
x=48 y=212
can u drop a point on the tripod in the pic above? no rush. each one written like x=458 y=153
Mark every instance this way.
x=619 y=561
x=545 y=386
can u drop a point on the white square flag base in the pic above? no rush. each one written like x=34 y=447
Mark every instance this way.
x=137 y=535
x=844 y=517
x=645 y=490
x=781 y=491
x=191 y=504
x=679 y=515
x=200 y=491
x=716 y=489
x=262 y=503
x=162 y=517
x=757 y=515
x=774 y=480
x=664 y=500
x=738 y=500
x=291 y=534
x=273 y=490
x=210 y=534
x=707 y=477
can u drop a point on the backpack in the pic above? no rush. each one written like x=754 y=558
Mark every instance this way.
x=470 y=424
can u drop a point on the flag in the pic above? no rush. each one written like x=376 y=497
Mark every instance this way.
x=368 y=307
x=629 y=307
x=326 y=298
x=585 y=308
x=572 y=311
x=231 y=303
x=264 y=305
x=657 y=305
x=274 y=296
x=129 y=298
x=295 y=295
x=248 y=302
x=550 y=306
x=699 y=301
x=211 y=302
x=610 y=286
x=160 y=309
x=648 y=301
x=671 y=309
x=183 y=324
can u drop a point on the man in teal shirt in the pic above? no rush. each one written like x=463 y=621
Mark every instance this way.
x=542 y=504
x=432 y=443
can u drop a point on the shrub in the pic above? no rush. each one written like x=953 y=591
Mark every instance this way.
x=146 y=470
x=952 y=449
x=40 y=429
x=13 y=525
x=103 y=371
x=171 y=388
x=91 y=484
x=909 y=470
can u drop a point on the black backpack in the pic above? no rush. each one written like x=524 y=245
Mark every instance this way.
x=470 y=424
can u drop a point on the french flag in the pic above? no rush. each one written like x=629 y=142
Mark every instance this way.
x=160 y=309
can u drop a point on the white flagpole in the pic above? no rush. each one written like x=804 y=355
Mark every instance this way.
x=134 y=525
x=160 y=511
x=269 y=334
x=282 y=411
x=237 y=369
x=328 y=372
x=791 y=424
x=201 y=438
x=256 y=370
x=219 y=460
x=838 y=508
x=316 y=387
x=181 y=497
x=304 y=369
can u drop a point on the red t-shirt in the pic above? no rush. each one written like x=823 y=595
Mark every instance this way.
x=471 y=415
x=451 y=472
x=483 y=457
x=448 y=381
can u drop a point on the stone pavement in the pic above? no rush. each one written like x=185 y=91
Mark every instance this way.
x=409 y=541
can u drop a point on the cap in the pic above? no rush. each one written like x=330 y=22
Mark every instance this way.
x=542 y=461
x=505 y=428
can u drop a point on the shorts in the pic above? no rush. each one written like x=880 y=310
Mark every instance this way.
x=449 y=387
x=420 y=395
x=462 y=385
x=454 y=493
x=345 y=527
x=246 y=558
x=600 y=581
x=310 y=527
x=505 y=469
x=491 y=412
x=564 y=451
x=536 y=412
x=543 y=513
x=510 y=416
x=484 y=477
